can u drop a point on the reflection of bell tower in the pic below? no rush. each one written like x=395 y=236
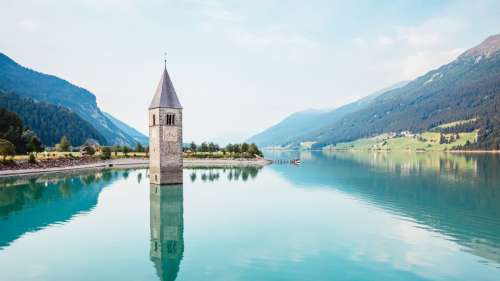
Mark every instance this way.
x=167 y=229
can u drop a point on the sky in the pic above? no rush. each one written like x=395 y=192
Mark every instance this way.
x=239 y=66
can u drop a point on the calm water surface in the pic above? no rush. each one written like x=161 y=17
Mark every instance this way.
x=338 y=216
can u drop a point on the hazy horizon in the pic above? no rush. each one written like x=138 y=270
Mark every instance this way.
x=239 y=68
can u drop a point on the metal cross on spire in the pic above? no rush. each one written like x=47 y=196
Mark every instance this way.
x=165 y=59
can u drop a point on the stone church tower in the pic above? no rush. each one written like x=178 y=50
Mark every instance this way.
x=165 y=134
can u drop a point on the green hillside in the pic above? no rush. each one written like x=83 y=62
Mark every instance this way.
x=50 y=122
x=468 y=88
x=308 y=121
x=426 y=141
x=41 y=87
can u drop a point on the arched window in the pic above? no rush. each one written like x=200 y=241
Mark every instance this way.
x=154 y=120
x=171 y=119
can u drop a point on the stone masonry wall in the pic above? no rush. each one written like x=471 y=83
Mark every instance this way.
x=165 y=146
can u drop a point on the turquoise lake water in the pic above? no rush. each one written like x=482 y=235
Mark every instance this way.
x=338 y=216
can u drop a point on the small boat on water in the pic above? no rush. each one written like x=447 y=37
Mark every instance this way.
x=296 y=161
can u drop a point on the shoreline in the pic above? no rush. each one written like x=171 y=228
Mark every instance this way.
x=385 y=150
x=134 y=163
x=416 y=151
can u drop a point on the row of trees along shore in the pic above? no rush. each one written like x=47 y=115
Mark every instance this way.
x=16 y=139
x=213 y=150
x=65 y=149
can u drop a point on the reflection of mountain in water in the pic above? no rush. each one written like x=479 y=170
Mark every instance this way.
x=32 y=204
x=456 y=195
x=167 y=229
x=211 y=174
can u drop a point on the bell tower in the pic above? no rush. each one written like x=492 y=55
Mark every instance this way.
x=165 y=134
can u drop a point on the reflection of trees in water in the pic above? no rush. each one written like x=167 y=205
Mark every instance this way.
x=17 y=192
x=54 y=197
x=211 y=174
x=449 y=166
x=139 y=177
x=454 y=194
x=65 y=188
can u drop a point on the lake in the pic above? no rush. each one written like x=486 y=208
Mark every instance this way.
x=337 y=216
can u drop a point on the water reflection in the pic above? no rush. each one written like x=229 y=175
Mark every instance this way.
x=166 y=229
x=212 y=174
x=454 y=194
x=33 y=203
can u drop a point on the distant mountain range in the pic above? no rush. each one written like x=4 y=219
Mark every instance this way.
x=468 y=88
x=51 y=90
x=136 y=135
x=301 y=123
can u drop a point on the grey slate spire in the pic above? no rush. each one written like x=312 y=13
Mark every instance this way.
x=165 y=95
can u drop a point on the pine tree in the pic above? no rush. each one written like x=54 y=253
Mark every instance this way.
x=193 y=146
x=64 y=144
x=139 y=147
x=35 y=145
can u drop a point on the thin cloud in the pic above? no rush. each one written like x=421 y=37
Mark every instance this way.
x=29 y=25
x=410 y=51
x=279 y=43
x=214 y=11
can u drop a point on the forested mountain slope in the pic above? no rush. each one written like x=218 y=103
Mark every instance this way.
x=50 y=122
x=136 y=135
x=307 y=121
x=468 y=87
x=25 y=82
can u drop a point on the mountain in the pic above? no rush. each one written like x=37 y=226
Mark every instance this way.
x=307 y=121
x=289 y=128
x=40 y=87
x=61 y=121
x=468 y=88
x=136 y=135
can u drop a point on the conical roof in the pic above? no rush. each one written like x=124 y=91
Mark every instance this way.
x=165 y=95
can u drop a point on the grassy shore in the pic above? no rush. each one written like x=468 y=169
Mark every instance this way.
x=427 y=141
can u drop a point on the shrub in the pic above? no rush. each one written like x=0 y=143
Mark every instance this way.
x=88 y=150
x=7 y=148
x=32 y=158
x=106 y=153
